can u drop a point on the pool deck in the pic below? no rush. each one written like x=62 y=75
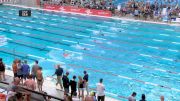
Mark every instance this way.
x=49 y=87
x=113 y=17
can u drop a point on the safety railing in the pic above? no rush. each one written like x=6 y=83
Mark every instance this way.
x=35 y=92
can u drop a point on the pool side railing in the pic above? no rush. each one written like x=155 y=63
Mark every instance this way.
x=35 y=92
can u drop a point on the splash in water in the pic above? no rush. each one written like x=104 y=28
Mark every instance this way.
x=3 y=40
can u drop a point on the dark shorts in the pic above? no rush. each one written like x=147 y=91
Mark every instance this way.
x=20 y=76
x=33 y=76
x=25 y=76
x=136 y=15
x=66 y=90
x=2 y=72
x=15 y=74
x=101 y=98
x=73 y=93
x=40 y=81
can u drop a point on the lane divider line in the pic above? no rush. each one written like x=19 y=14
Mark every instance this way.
x=69 y=41
x=125 y=77
x=54 y=48
x=50 y=32
x=121 y=61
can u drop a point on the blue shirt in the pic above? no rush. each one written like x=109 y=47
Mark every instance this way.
x=25 y=69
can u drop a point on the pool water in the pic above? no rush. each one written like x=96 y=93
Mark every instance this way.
x=129 y=56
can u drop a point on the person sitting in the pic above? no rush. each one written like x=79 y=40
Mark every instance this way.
x=136 y=13
x=30 y=83
x=67 y=98
x=162 y=98
x=92 y=97
x=12 y=89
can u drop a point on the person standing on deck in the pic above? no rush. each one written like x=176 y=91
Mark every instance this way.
x=66 y=83
x=2 y=70
x=132 y=97
x=59 y=73
x=35 y=67
x=86 y=78
x=19 y=71
x=73 y=85
x=25 y=70
x=40 y=79
x=14 y=67
x=100 y=91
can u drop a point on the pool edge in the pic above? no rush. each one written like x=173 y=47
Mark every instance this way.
x=114 y=18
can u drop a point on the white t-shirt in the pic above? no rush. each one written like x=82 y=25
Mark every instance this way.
x=100 y=89
x=131 y=98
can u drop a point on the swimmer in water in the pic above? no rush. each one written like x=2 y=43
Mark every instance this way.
x=96 y=41
x=65 y=55
x=102 y=34
x=84 y=48
x=177 y=60
x=80 y=47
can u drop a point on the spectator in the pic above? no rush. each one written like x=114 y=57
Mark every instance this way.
x=19 y=97
x=81 y=87
x=68 y=98
x=89 y=98
x=58 y=73
x=40 y=79
x=12 y=88
x=66 y=83
x=143 y=97
x=132 y=97
x=100 y=91
x=73 y=85
x=19 y=71
x=92 y=97
x=2 y=70
x=86 y=78
x=14 y=67
x=30 y=83
x=162 y=98
x=35 y=67
x=25 y=69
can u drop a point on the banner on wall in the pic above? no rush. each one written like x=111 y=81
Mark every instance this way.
x=104 y=13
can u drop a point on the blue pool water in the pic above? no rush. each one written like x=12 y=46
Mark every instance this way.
x=129 y=56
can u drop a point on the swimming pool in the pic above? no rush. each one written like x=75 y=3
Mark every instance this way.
x=129 y=56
